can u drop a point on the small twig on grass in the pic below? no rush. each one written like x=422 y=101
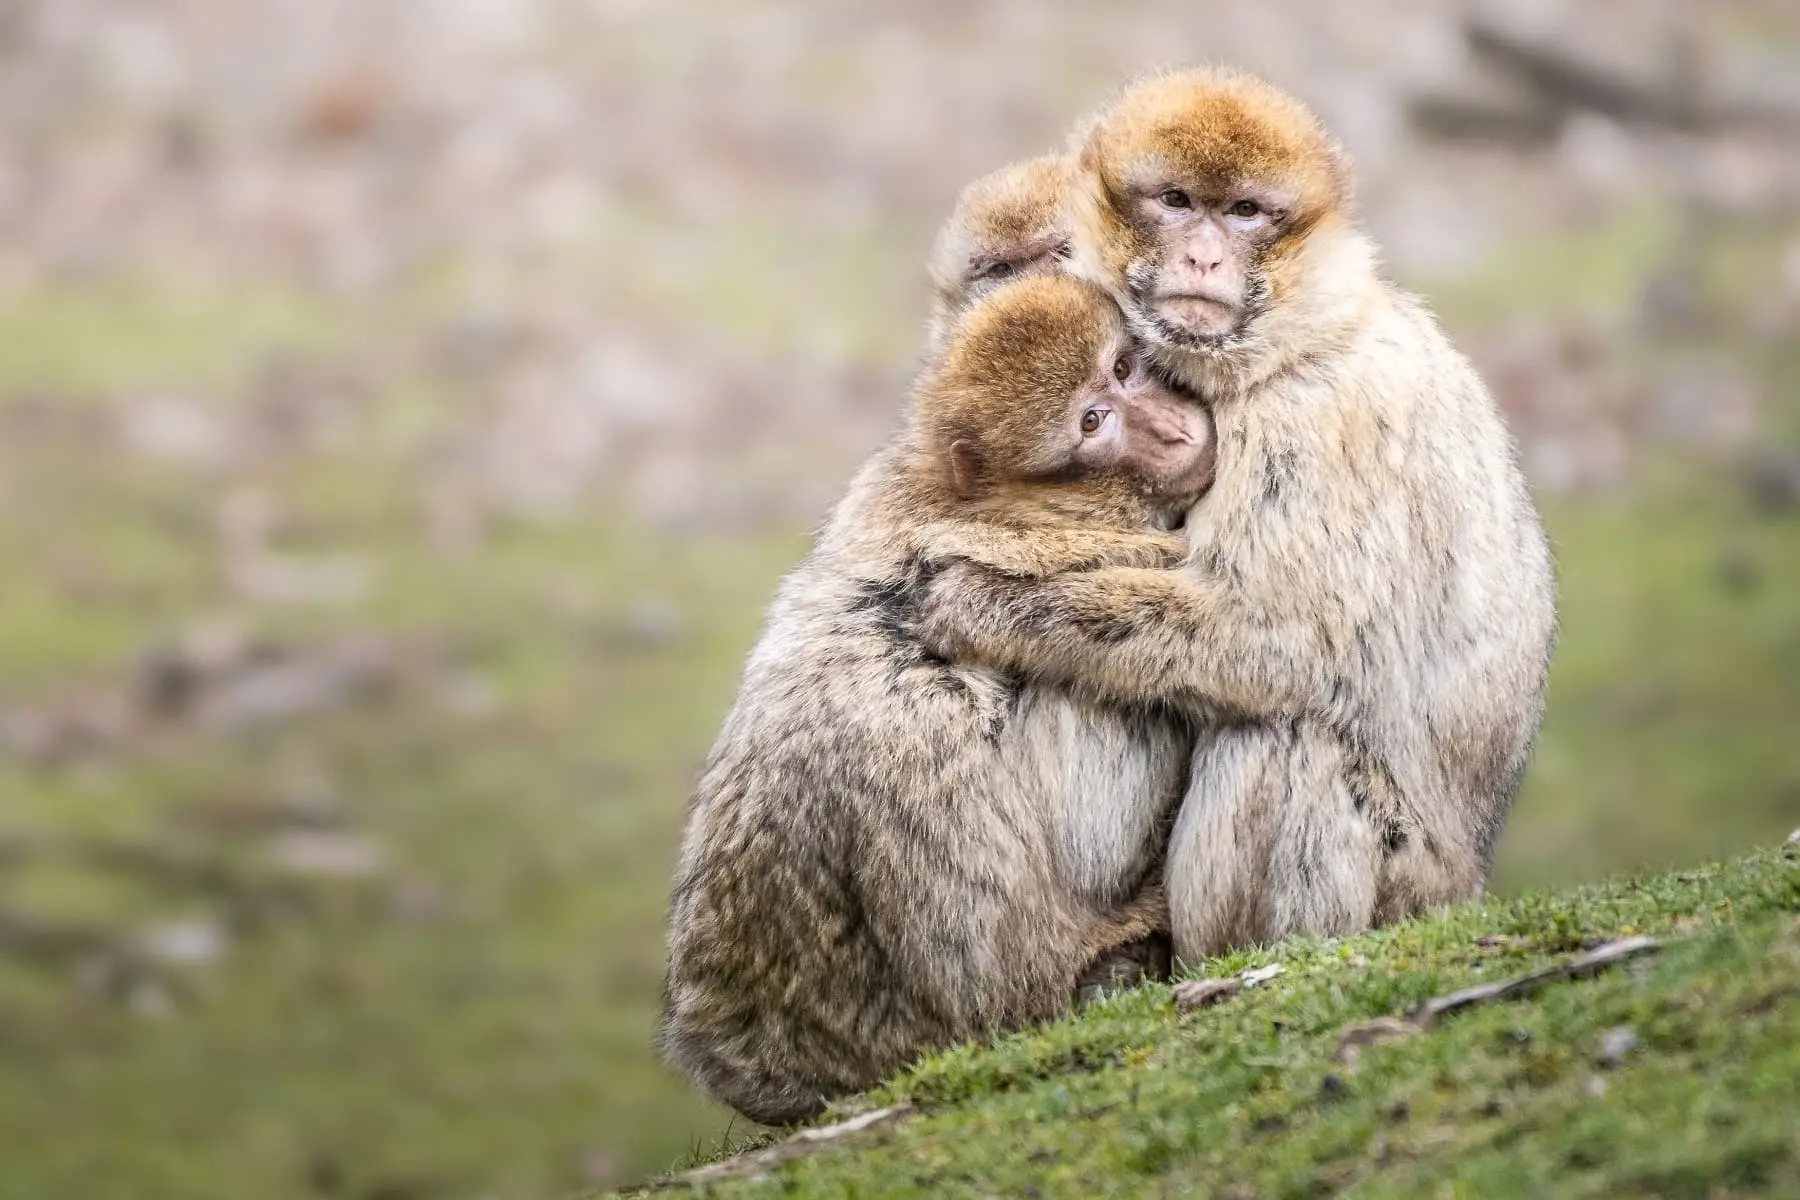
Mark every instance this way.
x=1373 y=1033
x=1257 y=976
x=1198 y=993
x=1599 y=958
x=803 y=1143
x=1387 y=1029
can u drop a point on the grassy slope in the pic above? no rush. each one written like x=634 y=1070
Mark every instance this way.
x=1249 y=1098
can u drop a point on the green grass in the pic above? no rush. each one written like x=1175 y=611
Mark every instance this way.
x=1251 y=1097
x=498 y=1045
x=1675 y=690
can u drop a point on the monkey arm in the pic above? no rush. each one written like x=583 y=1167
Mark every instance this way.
x=1039 y=552
x=1130 y=634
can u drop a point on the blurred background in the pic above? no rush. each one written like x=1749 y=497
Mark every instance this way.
x=407 y=407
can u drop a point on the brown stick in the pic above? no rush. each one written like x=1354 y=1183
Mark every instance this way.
x=803 y=1143
x=1595 y=960
x=1386 y=1029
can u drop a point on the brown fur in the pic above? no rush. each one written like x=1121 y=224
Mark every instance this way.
x=1008 y=225
x=887 y=853
x=1237 y=128
x=1366 y=622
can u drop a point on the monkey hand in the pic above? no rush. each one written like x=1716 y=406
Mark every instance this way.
x=950 y=598
x=1042 y=553
x=1150 y=549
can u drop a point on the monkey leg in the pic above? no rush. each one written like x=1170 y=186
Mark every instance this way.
x=1269 y=842
x=1433 y=848
x=1219 y=849
x=1325 y=859
x=1423 y=869
x=1126 y=947
x=1121 y=968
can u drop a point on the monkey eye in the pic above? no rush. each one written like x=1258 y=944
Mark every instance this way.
x=1245 y=208
x=1093 y=419
x=995 y=270
x=1122 y=368
x=1175 y=198
x=1063 y=251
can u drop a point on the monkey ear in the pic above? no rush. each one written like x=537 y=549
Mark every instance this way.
x=965 y=468
x=1078 y=145
x=1084 y=147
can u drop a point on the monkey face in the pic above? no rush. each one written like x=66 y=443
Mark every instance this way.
x=1136 y=432
x=1195 y=189
x=1200 y=280
x=1044 y=403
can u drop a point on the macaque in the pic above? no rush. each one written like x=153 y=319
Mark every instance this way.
x=1364 y=624
x=1006 y=225
x=888 y=853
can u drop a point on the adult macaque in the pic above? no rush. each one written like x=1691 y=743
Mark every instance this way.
x=1367 y=618
x=888 y=853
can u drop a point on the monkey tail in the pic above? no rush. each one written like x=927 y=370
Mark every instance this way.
x=732 y=1073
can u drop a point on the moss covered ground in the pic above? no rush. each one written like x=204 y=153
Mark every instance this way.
x=1673 y=1074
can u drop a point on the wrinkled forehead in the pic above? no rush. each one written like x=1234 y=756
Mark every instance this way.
x=1212 y=138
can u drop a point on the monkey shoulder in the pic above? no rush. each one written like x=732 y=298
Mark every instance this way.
x=839 y=682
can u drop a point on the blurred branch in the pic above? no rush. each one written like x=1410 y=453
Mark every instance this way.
x=1556 y=76
x=1464 y=118
x=1354 y=1038
x=1547 y=81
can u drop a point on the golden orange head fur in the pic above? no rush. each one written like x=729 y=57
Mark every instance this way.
x=1212 y=134
x=1000 y=422
x=1215 y=129
x=1013 y=362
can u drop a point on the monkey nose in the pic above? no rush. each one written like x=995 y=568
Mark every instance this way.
x=1172 y=433
x=1204 y=252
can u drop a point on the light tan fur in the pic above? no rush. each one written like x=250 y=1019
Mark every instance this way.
x=887 y=853
x=1366 y=620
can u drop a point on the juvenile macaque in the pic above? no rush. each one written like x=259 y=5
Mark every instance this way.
x=1012 y=224
x=889 y=853
x=1364 y=627
x=1007 y=225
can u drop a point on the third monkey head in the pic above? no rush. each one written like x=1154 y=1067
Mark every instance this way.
x=1043 y=410
x=1007 y=225
x=1198 y=192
